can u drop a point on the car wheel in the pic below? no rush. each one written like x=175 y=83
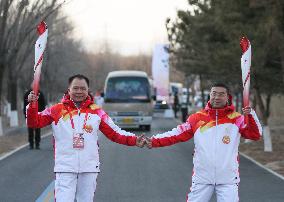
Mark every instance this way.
x=148 y=127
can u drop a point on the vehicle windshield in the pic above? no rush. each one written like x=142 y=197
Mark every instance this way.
x=127 y=89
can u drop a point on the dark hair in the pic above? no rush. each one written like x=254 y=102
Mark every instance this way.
x=78 y=76
x=221 y=85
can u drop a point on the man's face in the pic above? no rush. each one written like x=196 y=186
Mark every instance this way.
x=218 y=97
x=78 y=90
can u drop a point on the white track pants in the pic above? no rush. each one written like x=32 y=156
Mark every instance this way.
x=81 y=186
x=203 y=192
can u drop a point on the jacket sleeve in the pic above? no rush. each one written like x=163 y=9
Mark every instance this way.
x=181 y=133
x=253 y=129
x=37 y=119
x=113 y=132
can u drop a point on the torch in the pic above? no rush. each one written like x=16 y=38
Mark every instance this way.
x=245 y=65
x=39 y=51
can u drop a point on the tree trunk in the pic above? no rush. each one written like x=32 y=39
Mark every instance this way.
x=265 y=115
x=282 y=62
x=13 y=100
x=237 y=101
x=13 y=91
x=187 y=85
x=1 y=127
x=1 y=97
x=267 y=139
x=202 y=91
x=1 y=85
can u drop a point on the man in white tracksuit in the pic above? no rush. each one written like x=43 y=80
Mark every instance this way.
x=75 y=124
x=216 y=130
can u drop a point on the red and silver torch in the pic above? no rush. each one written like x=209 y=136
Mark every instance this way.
x=245 y=65
x=39 y=51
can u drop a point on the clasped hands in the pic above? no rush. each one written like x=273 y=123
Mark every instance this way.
x=143 y=140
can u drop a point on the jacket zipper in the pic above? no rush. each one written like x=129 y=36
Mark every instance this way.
x=78 y=152
x=216 y=137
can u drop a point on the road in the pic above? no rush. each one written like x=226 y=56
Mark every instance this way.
x=129 y=174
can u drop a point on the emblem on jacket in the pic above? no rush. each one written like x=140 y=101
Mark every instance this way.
x=88 y=128
x=226 y=139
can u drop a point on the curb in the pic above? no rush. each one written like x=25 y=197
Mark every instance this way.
x=7 y=154
x=262 y=166
x=48 y=194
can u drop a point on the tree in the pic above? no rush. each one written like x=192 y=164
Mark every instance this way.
x=18 y=21
x=205 y=41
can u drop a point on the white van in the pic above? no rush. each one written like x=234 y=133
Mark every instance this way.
x=128 y=99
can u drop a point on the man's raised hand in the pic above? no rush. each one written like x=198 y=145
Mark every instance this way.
x=246 y=110
x=32 y=97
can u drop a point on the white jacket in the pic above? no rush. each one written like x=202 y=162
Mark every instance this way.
x=216 y=135
x=68 y=159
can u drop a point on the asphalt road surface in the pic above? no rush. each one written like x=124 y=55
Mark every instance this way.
x=129 y=174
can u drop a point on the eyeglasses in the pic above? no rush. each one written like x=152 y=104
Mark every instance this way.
x=215 y=94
